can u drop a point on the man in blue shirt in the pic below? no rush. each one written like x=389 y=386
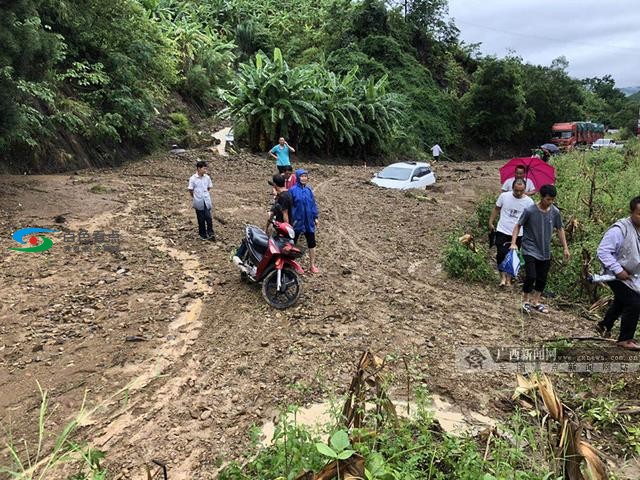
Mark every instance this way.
x=281 y=154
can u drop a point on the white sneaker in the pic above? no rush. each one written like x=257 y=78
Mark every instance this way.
x=236 y=260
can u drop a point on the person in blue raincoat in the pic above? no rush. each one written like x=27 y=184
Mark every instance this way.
x=305 y=214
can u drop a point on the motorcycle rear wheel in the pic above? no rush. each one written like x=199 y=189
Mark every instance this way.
x=290 y=293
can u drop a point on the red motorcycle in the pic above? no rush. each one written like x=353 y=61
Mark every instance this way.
x=271 y=260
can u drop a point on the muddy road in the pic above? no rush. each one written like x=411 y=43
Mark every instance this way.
x=202 y=356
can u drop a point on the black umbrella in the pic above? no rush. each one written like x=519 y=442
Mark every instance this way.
x=551 y=147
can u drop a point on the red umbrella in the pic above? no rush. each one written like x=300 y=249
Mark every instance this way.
x=538 y=171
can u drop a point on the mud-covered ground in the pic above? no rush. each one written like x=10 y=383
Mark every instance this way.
x=207 y=356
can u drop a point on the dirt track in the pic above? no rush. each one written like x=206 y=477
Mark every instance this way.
x=215 y=358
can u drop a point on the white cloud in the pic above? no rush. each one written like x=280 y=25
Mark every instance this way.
x=598 y=38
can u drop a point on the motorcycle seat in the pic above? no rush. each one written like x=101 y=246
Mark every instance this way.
x=258 y=240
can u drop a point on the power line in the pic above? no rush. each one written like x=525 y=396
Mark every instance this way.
x=540 y=37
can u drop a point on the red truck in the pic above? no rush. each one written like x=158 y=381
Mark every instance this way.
x=570 y=134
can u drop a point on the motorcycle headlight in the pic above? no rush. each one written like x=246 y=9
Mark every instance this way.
x=291 y=232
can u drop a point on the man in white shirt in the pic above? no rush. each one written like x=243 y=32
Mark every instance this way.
x=520 y=172
x=510 y=206
x=199 y=186
x=436 y=151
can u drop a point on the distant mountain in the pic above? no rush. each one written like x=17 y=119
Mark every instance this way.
x=630 y=90
x=635 y=97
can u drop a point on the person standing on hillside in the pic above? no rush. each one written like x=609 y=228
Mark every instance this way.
x=509 y=206
x=305 y=214
x=199 y=186
x=520 y=173
x=280 y=153
x=619 y=253
x=539 y=221
x=436 y=151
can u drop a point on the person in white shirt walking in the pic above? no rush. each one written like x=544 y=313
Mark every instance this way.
x=436 y=151
x=509 y=206
x=199 y=186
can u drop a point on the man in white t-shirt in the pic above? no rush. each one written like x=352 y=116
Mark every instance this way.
x=199 y=186
x=520 y=172
x=510 y=206
x=436 y=151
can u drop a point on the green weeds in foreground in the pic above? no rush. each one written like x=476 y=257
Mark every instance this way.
x=594 y=190
x=411 y=449
x=46 y=460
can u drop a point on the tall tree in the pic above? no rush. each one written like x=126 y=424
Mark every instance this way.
x=495 y=107
x=553 y=96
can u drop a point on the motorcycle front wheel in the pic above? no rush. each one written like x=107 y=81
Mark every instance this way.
x=288 y=294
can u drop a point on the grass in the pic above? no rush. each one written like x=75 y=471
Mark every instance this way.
x=410 y=449
x=54 y=453
x=594 y=190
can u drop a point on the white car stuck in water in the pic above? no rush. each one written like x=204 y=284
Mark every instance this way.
x=405 y=175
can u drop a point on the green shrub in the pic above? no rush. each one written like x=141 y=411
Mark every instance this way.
x=462 y=262
x=180 y=129
x=406 y=449
x=196 y=83
x=615 y=181
x=313 y=106
x=482 y=212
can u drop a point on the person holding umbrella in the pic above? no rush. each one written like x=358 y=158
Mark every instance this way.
x=531 y=169
x=550 y=147
x=519 y=174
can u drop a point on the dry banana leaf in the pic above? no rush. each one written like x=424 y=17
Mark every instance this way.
x=350 y=469
x=549 y=397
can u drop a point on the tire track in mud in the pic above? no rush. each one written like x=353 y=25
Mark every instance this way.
x=351 y=238
x=157 y=382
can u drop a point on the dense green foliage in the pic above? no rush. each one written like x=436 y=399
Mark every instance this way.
x=496 y=119
x=465 y=263
x=97 y=75
x=470 y=262
x=594 y=190
x=312 y=106
x=409 y=450
x=89 y=80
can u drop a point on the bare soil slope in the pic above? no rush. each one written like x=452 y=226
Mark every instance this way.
x=212 y=358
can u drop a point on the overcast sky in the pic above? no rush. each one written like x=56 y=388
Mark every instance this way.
x=597 y=37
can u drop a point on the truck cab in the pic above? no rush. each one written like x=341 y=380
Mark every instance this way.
x=568 y=135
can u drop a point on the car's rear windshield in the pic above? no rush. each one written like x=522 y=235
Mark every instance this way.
x=395 y=173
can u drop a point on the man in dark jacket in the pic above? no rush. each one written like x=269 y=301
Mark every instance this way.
x=282 y=203
x=305 y=214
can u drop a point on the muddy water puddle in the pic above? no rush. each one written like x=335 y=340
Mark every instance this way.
x=318 y=417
